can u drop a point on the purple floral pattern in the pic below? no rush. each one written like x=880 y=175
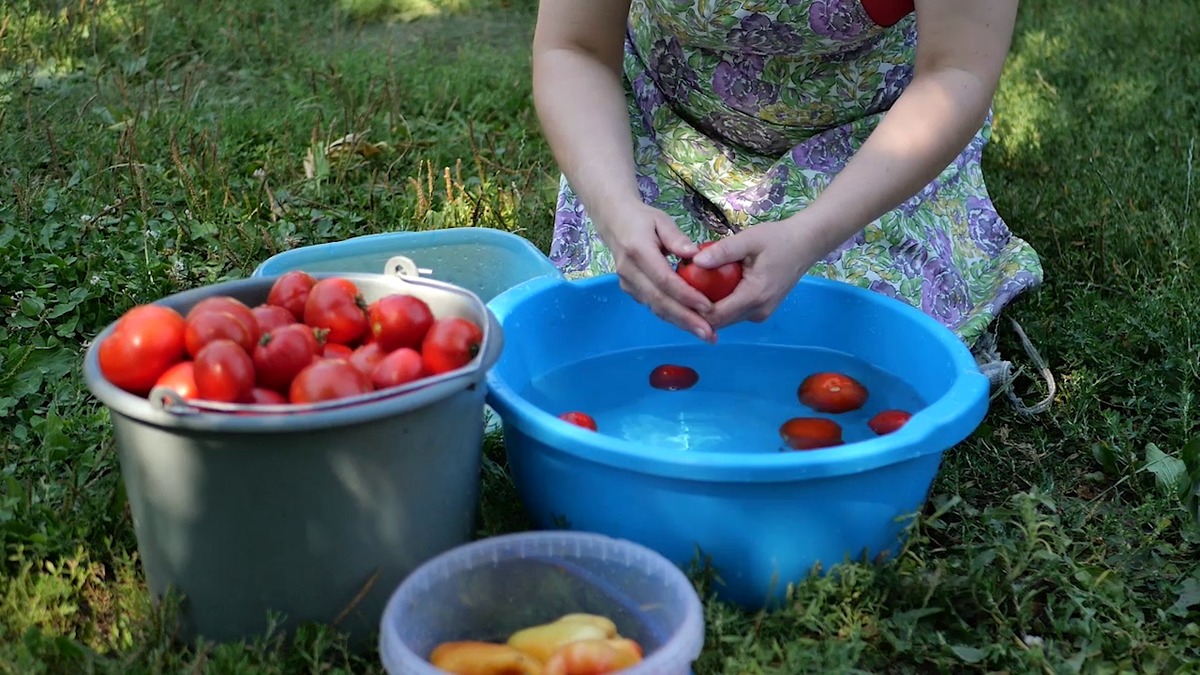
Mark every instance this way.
x=740 y=115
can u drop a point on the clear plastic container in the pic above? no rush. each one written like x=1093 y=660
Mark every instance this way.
x=491 y=588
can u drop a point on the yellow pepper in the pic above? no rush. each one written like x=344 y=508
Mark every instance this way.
x=483 y=658
x=542 y=641
x=594 y=657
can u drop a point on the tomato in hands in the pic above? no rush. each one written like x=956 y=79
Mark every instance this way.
x=399 y=321
x=579 y=419
x=450 y=344
x=336 y=306
x=673 y=378
x=224 y=372
x=327 y=380
x=281 y=354
x=832 y=393
x=270 y=317
x=290 y=291
x=888 y=421
x=400 y=367
x=810 y=433
x=145 y=342
x=715 y=284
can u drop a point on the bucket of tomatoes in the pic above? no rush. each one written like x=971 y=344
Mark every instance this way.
x=297 y=444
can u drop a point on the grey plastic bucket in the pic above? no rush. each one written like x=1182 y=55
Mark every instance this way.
x=318 y=515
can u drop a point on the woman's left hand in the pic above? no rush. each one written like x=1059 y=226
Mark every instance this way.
x=774 y=256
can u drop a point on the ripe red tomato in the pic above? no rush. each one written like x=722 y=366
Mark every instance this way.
x=579 y=419
x=281 y=354
x=335 y=351
x=224 y=372
x=225 y=303
x=888 y=421
x=832 y=393
x=715 y=284
x=326 y=381
x=673 y=378
x=145 y=342
x=336 y=305
x=399 y=321
x=180 y=378
x=366 y=357
x=593 y=657
x=450 y=344
x=260 y=396
x=270 y=317
x=290 y=291
x=810 y=433
x=211 y=325
x=400 y=367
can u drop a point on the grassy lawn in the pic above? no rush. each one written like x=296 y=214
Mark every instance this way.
x=147 y=146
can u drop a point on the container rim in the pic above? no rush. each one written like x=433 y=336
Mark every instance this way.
x=938 y=426
x=164 y=408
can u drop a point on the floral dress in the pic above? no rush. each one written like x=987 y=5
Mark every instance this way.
x=742 y=111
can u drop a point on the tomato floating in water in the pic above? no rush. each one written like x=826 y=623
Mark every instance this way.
x=336 y=306
x=399 y=321
x=211 y=325
x=810 y=433
x=290 y=291
x=716 y=283
x=145 y=342
x=888 y=421
x=400 y=367
x=327 y=380
x=832 y=393
x=224 y=372
x=180 y=378
x=270 y=317
x=281 y=354
x=673 y=378
x=450 y=344
x=579 y=419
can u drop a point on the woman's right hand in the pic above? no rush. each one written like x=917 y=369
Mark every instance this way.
x=639 y=237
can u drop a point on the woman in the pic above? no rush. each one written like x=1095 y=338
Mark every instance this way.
x=809 y=136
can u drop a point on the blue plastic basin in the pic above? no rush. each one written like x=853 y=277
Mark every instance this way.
x=482 y=260
x=764 y=518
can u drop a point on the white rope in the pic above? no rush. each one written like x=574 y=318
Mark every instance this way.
x=1001 y=373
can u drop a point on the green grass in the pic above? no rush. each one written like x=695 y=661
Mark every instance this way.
x=147 y=147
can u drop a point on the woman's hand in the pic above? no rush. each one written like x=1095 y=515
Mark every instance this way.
x=639 y=237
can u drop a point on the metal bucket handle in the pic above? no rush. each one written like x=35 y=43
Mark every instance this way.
x=168 y=400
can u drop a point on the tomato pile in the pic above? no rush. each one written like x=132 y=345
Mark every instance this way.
x=311 y=341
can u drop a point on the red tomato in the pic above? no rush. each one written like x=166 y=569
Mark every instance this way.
x=810 y=433
x=270 y=317
x=224 y=303
x=715 y=284
x=224 y=372
x=145 y=342
x=260 y=396
x=211 y=325
x=399 y=321
x=832 y=393
x=180 y=378
x=290 y=291
x=281 y=354
x=888 y=421
x=673 y=378
x=328 y=380
x=579 y=419
x=400 y=367
x=336 y=305
x=366 y=357
x=450 y=344
x=594 y=657
x=336 y=351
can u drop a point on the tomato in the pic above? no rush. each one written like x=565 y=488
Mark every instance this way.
x=336 y=351
x=594 y=657
x=888 y=421
x=326 y=380
x=450 y=344
x=145 y=342
x=270 y=317
x=281 y=354
x=810 y=433
x=366 y=357
x=180 y=378
x=260 y=396
x=470 y=657
x=579 y=419
x=715 y=284
x=224 y=303
x=224 y=372
x=399 y=321
x=336 y=305
x=673 y=378
x=400 y=367
x=290 y=291
x=832 y=393
x=211 y=325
